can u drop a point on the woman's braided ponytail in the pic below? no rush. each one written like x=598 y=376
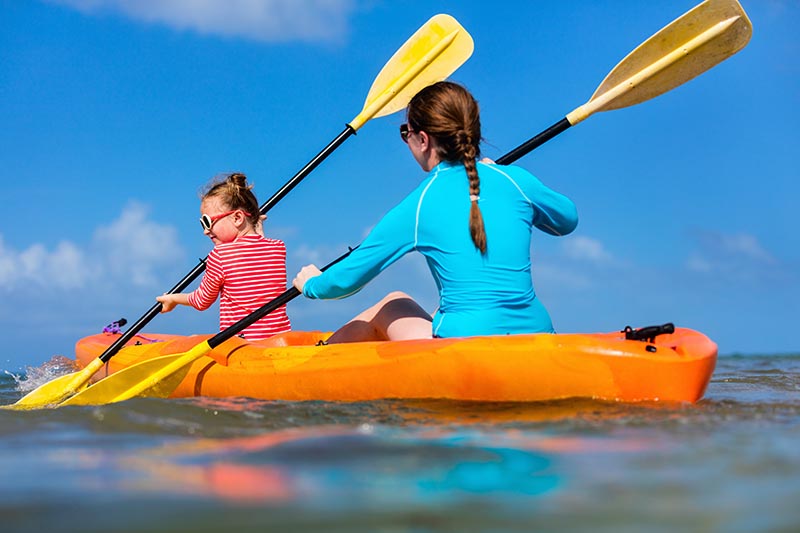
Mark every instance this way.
x=449 y=113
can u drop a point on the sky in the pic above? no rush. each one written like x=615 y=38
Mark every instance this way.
x=115 y=113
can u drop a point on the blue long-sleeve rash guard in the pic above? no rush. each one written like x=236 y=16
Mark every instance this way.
x=479 y=294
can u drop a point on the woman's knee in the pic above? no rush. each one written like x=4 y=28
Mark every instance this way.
x=397 y=305
x=396 y=295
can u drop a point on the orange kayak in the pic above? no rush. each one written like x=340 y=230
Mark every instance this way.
x=668 y=367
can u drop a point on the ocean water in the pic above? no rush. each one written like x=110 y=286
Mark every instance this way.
x=729 y=463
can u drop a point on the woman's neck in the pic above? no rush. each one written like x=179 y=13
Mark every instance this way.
x=430 y=155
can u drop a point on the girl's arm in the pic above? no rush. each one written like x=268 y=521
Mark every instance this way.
x=202 y=297
x=169 y=301
x=211 y=284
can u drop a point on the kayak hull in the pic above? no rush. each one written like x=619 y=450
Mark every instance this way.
x=518 y=368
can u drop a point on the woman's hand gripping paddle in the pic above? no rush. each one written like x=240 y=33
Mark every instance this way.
x=434 y=52
x=690 y=45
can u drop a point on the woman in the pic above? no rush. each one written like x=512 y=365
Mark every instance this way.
x=471 y=220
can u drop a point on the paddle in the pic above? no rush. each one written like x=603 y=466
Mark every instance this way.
x=434 y=52
x=161 y=375
x=691 y=44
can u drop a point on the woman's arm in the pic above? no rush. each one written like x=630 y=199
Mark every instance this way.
x=389 y=240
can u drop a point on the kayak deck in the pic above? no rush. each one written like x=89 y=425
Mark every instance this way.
x=291 y=366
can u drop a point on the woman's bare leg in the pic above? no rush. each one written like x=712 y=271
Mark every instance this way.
x=395 y=317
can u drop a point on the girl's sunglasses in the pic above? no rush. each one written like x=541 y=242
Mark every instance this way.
x=208 y=221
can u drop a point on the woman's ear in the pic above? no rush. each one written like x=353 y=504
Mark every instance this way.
x=424 y=140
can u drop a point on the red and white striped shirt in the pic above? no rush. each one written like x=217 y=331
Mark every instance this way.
x=245 y=274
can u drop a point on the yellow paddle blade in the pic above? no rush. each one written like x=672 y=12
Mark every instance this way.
x=157 y=377
x=57 y=390
x=434 y=52
x=691 y=44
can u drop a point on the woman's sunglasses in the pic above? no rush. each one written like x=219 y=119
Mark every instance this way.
x=208 y=221
x=404 y=131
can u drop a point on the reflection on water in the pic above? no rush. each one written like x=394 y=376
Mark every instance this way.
x=311 y=465
x=729 y=463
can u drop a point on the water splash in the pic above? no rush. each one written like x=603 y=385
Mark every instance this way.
x=35 y=376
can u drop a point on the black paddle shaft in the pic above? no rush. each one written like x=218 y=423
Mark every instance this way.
x=201 y=266
x=533 y=142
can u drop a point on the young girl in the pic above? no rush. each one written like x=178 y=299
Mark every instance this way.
x=471 y=220
x=245 y=269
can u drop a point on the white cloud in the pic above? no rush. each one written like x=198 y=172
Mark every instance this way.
x=719 y=251
x=303 y=254
x=261 y=20
x=747 y=246
x=550 y=275
x=696 y=263
x=578 y=263
x=133 y=246
x=63 y=268
x=738 y=257
x=66 y=267
x=129 y=250
x=586 y=249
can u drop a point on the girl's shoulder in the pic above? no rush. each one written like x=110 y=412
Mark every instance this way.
x=261 y=240
x=267 y=240
x=274 y=243
x=249 y=241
